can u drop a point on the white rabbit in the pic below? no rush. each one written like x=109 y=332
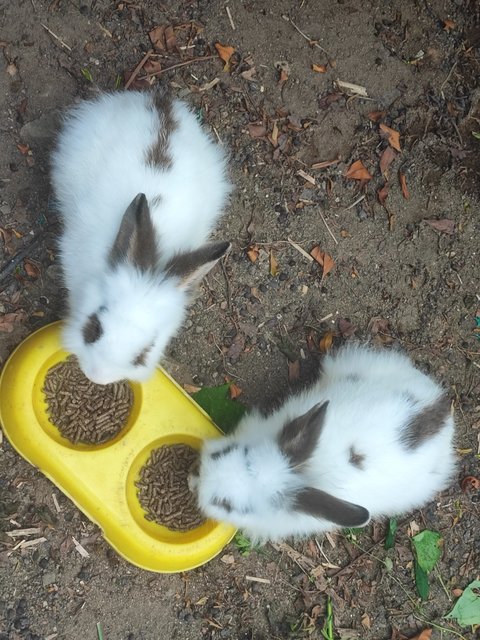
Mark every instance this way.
x=373 y=437
x=139 y=186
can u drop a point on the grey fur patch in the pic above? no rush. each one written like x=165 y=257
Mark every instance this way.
x=425 y=424
x=320 y=504
x=223 y=503
x=92 y=329
x=158 y=155
x=223 y=452
x=298 y=438
x=353 y=377
x=135 y=241
x=186 y=265
x=141 y=359
x=356 y=459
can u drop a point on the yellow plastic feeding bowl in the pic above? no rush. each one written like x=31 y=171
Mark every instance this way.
x=100 y=479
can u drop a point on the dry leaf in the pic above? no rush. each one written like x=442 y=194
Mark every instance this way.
x=7 y=236
x=256 y=130
x=234 y=391
x=392 y=136
x=386 y=159
x=202 y=601
x=293 y=370
x=225 y=52
x=444 y=226
x=403 y=184
x=23 y=148
x=366 y=622
x=358 y=171
x=383 y=193
x=228 y=559
x=249 y=73
x=32 y=269
x=253 y=253
x=375 y=116
x=273 y=264
x=448 y=25
x=324 y=259
x=380 y=328
x=9 y=320
x=191 y=388
x=284 y=70
x=319 y=68
x=470 y=483
x=163 y=38
x=326 y=342
x=11 y=69
x=306 y=176
x=423 y=635
x=346 y=328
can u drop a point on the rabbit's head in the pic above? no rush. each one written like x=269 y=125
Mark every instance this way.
x=125 y=317
x=263 y=486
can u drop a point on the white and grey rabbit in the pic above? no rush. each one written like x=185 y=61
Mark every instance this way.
x=139 y=186
x=373 y=437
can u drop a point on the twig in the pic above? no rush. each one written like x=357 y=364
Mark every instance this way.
x=324 y=319
x=328 y=228
x=356 y=89
x=17 y=533
x=255 y=579
x=180 y=64
x=138 y=68
x=357 y=201
x=232 y=24
x=11 y=265
x=300 y=250
x=325 y=164
x=310 y=41
x=54 y=35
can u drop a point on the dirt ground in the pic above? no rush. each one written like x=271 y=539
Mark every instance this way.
x=265 y=317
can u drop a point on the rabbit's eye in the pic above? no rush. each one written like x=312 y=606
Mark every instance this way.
x=92 y=329
x=141 y=359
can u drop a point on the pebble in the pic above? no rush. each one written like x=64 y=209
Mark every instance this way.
x=49 y=578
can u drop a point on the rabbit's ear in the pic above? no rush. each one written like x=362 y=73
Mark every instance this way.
x=298 y=438
x=191 y=267
x=135 y=241
x=320 y=504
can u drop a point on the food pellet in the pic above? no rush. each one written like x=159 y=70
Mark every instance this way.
x=163 y=488
x=85 y=412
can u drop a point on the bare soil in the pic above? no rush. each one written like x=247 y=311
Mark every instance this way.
x=396 y=280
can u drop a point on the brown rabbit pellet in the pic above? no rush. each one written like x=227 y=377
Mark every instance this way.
x=84 y=411
x=163 y=488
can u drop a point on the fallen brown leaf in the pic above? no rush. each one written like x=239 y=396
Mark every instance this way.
x=7 y=237
x=383 y=193
x=163 y=38
x=32 y=268
x=375 y=116
x=225 y=52
x=248 y=74
x=234 y=391
x=423 y=635
x=444 y=226
x=470 y=483
x=346 y=327
x=386 y=159
x=256 y=130
x=392 y=136
x=23 y=148
x=380 y=329
x=273 y=264
x=448 y=25
x=191 y=388
x=319 y=68
x=403 y=184
x=323 y=259
x=358 y=171
x=9 y=320
x=253 y=253
x=326 y=342
x=284 y=71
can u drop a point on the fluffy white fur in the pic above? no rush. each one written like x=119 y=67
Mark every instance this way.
x=98 y=167
x=372 y=396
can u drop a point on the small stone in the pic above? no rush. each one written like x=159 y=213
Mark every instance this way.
x=199 y=328
x=49 y=578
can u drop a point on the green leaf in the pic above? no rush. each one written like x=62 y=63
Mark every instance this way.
x=391 y=532
x=426 y=546
x=224 y=411
x=87 y=75
x=476 y=134
x=467 y=608
x=421 y=580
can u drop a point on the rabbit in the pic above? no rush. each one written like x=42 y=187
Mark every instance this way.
x=371 y=438
x=139 y=186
